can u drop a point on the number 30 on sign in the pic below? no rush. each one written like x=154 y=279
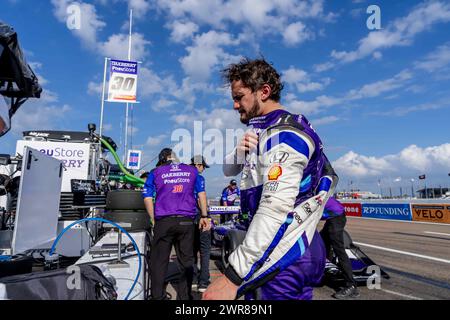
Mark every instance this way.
x=122 y=81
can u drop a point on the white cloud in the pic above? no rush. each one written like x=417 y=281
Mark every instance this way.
x=116 y=46
x=356 y=13
x=301 y=80
x=376 y=88
x=313 y=107
x=91 y=23
x=132 y=129
x=140 y=7
x=324 y=120
x=400 y=32
x=156 y=141
x=182 y=31
x=296 y=33
x=219 y=118
x=401 y=111
x=294 y=75
x=107 y=127
x=95 y=88
x=411 y=160
x=36 y=67
x=323 y=66
x=377 y=55
x=370 y=90
x=254 y=12
x=258 y=16
x=163 y=104
x=37 y=114
x=162 y=89
x=436 y=60
x=206 y=53
x=313 y=86
x=356 y=165
x=151 y=83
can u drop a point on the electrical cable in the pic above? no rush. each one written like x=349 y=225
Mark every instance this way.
x=89 y=232
x=117 y=226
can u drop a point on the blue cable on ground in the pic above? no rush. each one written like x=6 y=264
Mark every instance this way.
x=117 y=226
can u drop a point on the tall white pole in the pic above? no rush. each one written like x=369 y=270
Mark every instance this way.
x=126 y=112
x=103 y=95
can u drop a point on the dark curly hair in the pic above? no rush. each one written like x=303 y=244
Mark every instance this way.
x=254 y=74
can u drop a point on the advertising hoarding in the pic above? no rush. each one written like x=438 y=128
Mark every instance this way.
x=352 y=209
x=393 y=211
x=431 y=212
x=74 y=156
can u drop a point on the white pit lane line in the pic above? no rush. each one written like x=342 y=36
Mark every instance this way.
x=401 y=294
x=438 y=233
x=402 y=252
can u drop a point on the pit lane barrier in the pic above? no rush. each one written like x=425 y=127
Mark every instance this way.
x=434 y=211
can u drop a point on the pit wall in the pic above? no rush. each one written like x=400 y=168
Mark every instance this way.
x=437 y=211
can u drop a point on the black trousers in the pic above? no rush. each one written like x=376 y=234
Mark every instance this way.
x=179 y=232
x=333 y=237
x=225 y=217
x=202 y=244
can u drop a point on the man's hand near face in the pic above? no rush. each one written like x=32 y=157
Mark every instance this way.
x=234 y=161
x=248 y=142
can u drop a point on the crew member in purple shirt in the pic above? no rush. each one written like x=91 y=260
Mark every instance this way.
x=173 y=185
x=333 y=237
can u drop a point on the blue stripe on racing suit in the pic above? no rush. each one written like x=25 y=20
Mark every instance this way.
x=289 y=138
x=297 y=250
x=324 y=184
x=305 y=185
x=272 y=245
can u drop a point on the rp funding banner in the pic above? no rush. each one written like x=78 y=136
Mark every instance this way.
x=395 y=211
x=122 y=81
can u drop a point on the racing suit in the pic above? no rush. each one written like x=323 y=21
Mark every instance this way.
x=228 y=198
x=282 y=254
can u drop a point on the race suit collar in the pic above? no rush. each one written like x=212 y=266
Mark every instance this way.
x=267 y=120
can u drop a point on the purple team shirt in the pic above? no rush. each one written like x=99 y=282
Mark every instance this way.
x=175 y=186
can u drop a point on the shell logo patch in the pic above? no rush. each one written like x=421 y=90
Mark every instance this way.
x=275 y=172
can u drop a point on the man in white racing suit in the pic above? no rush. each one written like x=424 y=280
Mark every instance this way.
x=282 y=256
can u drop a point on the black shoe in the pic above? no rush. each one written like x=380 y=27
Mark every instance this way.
x=347 y=293
x=202 y=288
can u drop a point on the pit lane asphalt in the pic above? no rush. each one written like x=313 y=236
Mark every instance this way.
x=423 y=277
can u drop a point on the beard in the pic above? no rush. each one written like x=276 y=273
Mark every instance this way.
x=246 y=116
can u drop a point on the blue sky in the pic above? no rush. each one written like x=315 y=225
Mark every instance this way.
x=379 y=99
